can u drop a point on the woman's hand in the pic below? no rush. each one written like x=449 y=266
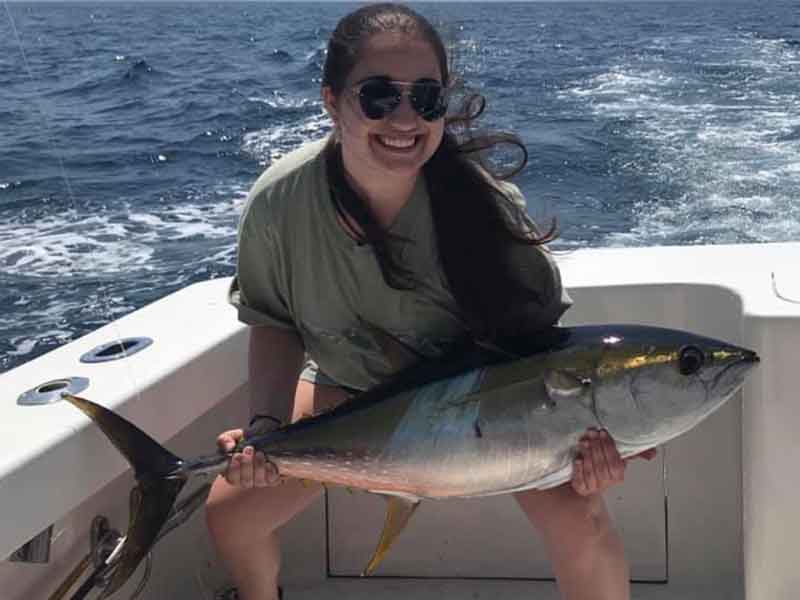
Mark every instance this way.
x=599 y=465
x=247 y=469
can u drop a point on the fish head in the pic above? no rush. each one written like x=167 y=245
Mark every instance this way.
x=649 y=384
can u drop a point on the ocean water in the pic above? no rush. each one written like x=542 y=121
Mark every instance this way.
x=130 y=133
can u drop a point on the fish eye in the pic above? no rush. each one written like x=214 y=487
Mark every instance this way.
x=690 y=360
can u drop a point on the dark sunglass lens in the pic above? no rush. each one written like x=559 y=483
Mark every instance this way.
x=378 y=98
x=428 y=100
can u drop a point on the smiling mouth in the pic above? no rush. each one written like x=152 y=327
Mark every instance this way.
x=398 y=143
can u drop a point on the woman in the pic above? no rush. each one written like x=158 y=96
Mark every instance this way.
x=383 y=245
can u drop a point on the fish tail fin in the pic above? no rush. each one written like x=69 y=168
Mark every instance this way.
x=151 y=500
x=147 y=457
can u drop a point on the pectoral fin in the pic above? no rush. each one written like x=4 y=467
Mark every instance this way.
x=398 y=512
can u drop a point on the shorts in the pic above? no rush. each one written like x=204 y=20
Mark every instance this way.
x=313 y=374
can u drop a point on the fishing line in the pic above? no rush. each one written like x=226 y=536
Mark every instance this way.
x=36 y=102
x=103 y=290
x=778 y=293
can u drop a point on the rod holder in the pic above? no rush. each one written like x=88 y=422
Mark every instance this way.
x=50 y=391
x=116 y=350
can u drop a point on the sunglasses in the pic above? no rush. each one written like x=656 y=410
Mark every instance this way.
x=379 y=96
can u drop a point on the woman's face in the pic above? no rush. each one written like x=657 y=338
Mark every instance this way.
x=401 y=142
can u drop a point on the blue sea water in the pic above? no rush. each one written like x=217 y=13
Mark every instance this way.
x=130 y=133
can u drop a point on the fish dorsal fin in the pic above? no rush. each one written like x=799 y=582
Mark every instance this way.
x=399 y=509
x=561 y=385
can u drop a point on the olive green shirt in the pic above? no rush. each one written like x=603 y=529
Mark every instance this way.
x=298 y=269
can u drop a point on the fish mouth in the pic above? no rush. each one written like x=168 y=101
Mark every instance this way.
x=732 y=375
x=751 y=357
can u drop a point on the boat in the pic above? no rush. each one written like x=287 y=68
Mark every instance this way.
x=714 y=517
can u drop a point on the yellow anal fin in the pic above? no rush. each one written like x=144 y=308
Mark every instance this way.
x=398 y=512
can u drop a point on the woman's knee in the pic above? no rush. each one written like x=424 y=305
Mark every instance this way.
x=254 y=514
x=231 y=512
x=223 y=517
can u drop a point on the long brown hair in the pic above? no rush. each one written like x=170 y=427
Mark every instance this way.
x=474 y=219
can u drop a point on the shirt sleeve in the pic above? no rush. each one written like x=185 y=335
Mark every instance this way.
x=259 y=291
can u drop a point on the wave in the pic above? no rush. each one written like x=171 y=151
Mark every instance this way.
x=139 y=69
x=83 y=242
x=268 y=145
x=122 y=74
x=9 y=185
x=790 y=134
x=280 y=56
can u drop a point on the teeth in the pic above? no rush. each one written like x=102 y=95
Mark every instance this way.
x=398 y=142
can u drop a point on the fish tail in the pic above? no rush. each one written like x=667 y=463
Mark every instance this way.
x=153 y=497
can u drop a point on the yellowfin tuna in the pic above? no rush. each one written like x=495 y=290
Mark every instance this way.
x=475 y=424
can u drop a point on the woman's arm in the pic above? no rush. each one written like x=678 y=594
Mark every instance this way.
x=274 y=363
